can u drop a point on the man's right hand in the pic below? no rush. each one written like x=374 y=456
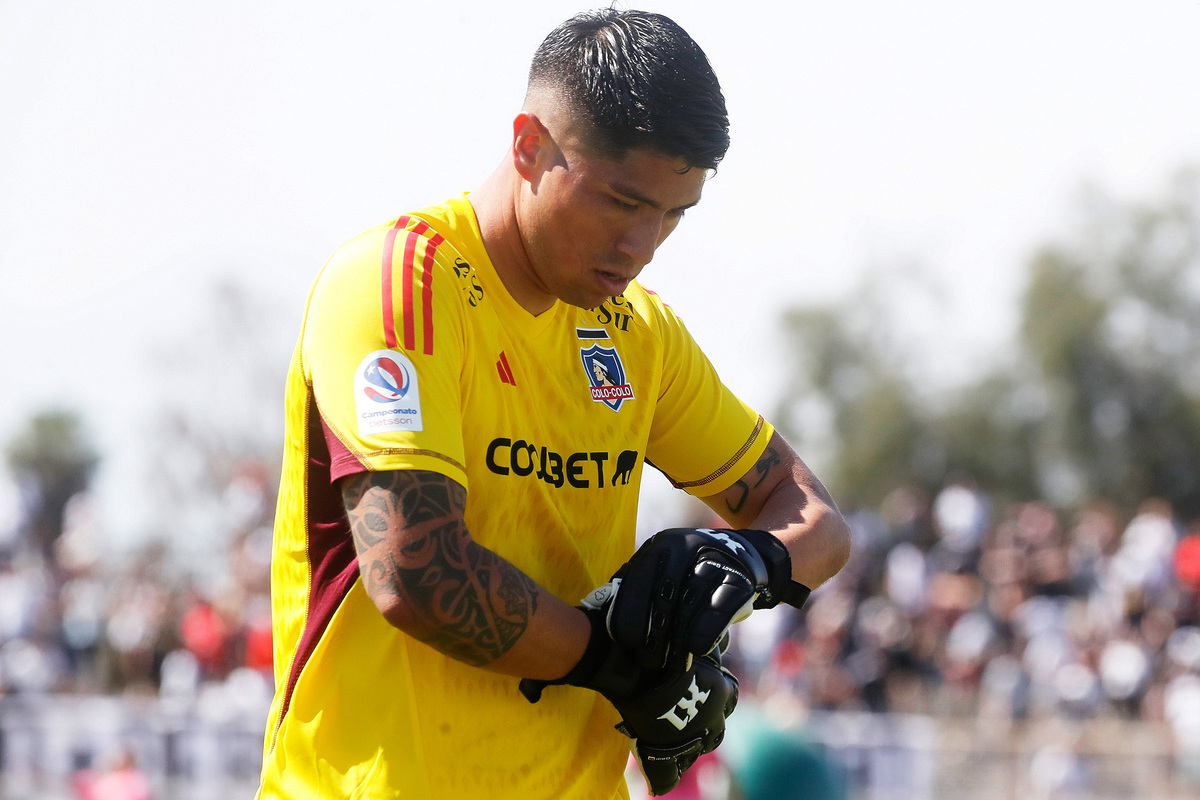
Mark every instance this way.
x=672 y=716
x=676 y=722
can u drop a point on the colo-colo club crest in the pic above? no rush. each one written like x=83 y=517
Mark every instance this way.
x=606 y=374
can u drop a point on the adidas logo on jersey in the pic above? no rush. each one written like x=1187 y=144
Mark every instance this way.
x=505 y=370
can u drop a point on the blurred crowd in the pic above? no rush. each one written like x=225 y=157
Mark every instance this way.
x=77 y=620
x=953 y=605
x=950 y=605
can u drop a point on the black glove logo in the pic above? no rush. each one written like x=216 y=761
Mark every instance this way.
x=690 y=706
x=733 y=544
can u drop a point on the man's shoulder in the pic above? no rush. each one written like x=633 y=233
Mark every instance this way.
x=412 y=235
x=639 y=306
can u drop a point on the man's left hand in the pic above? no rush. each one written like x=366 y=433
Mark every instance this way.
x=678 y=594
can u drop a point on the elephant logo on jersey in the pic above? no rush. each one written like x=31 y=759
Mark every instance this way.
x=606 y=376
x=387 y=380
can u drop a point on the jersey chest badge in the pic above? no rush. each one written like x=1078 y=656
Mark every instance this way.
x=606 y=376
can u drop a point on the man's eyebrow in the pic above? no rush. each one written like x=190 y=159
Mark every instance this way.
x=633 y=194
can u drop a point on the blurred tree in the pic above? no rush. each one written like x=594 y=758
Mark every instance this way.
x=851 y=402
x=1100 y=397
x=54 y=459
x=216 y=436
x=1111 y=323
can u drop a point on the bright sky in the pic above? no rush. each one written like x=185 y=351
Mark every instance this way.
x=148 y=148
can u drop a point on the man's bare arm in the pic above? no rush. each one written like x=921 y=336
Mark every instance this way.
x=781 y=495
x=430 y=579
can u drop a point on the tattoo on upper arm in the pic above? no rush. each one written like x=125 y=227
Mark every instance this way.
x=769 y=459
x=741 y=501
x=466 y=601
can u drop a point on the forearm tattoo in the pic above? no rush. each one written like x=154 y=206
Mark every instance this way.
x=412 y=544
x=769 y=459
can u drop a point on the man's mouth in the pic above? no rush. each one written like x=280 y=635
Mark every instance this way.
x=613 y=282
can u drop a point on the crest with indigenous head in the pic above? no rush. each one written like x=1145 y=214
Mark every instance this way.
x=606 y=376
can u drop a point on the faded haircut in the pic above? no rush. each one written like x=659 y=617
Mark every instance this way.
x=638 y=80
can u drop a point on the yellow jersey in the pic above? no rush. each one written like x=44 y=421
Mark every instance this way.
x=413 y=355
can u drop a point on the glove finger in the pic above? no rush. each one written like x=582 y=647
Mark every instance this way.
x=664 y=766
x=715 y=733
x=711 y=625
x=726 y=598
x=661 y=777
x=643 y=612
x=692 y=631
x=732 y=686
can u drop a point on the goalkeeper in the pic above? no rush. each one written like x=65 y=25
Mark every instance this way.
x=476 y=390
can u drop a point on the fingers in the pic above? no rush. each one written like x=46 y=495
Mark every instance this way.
x=643 y=611
x=681 y=591
x=664 y=766
x=716 y=596
x=696 y=705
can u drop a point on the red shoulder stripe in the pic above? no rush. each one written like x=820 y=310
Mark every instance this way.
x=406 y=284
x=427 y=290
x=389 y=316
x=406 y=278
x=655 y=294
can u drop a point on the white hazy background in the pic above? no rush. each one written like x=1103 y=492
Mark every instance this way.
x=149 y=150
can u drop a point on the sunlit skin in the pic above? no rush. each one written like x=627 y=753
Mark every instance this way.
x=562 y=221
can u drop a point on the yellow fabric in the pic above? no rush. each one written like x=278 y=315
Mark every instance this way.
x=508 y=410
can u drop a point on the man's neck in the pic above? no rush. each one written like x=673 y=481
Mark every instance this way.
x=495 y=204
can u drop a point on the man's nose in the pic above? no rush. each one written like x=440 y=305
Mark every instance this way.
x=640 y=240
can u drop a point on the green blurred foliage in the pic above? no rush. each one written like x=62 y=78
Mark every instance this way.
x=1100 y=396
x=53 y=456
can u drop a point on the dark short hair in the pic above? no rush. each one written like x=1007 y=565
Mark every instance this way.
x=639 y=80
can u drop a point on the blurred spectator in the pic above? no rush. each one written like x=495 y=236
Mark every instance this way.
x=771 y=758
x=121 y=781
x=205 y=636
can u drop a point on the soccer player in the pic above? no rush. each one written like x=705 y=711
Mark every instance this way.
x=475 y=393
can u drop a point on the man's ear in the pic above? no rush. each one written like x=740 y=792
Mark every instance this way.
x=532 y=148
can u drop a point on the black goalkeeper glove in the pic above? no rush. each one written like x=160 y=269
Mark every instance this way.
x=604 y=667
x=673 y=717
x=674 y=723
x=678 y=594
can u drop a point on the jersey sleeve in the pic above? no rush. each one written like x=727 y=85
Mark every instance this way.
x=702 y=437
x=383 y=349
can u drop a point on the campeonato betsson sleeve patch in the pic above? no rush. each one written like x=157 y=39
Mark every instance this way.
x=386 y=394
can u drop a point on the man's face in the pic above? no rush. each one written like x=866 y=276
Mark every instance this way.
x=593 y=221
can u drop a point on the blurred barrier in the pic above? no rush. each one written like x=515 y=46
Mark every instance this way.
x=202 y=749
x=884 y=756
x=863 y=756
x=194 y=749
x=891 y=756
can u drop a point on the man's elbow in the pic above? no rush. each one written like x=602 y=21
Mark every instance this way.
x=842 y=538
x=835 y=542
x=398 y=612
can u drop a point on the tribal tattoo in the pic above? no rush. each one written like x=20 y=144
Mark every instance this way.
x=769 y=459
x=412 y=544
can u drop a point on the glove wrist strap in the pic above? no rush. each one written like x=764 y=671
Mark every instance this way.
x=581 y=674
x=594 y=654
x=779 y=564
x=795 y=594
